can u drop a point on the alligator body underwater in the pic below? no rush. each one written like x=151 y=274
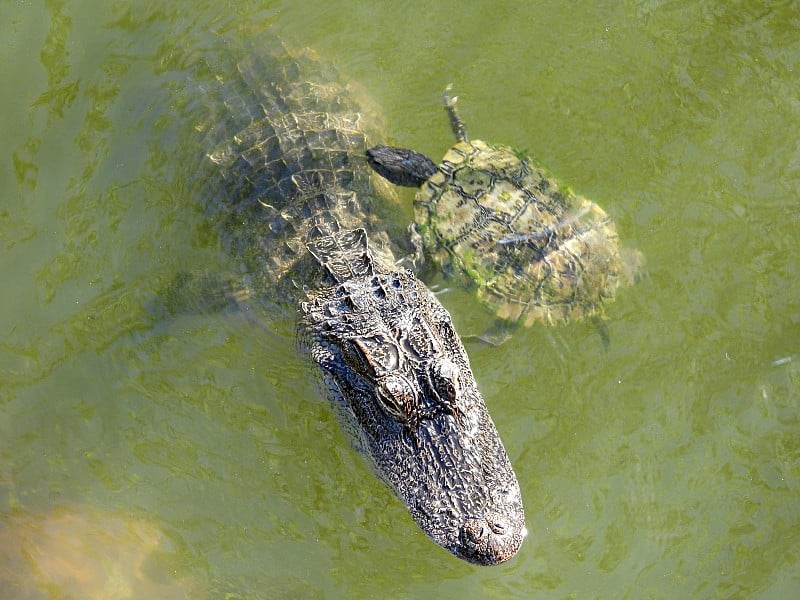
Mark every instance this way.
x=294 y=198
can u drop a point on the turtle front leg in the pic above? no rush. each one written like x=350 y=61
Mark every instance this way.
x=417 y=257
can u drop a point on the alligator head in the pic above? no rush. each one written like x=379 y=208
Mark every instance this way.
x=395 y=368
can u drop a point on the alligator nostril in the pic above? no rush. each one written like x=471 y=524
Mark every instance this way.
x=498 y=526
x=480 y=531
x=489 y=540
x=475 y=531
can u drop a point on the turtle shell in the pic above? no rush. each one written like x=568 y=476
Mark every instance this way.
x=536 y=251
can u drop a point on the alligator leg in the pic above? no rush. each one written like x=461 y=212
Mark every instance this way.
x=199 y=292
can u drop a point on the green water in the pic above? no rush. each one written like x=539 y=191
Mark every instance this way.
x=665 y=465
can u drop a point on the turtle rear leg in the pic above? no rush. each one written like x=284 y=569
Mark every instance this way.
x=456 y=124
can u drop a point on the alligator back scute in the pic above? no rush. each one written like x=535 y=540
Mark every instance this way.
x=345 y=256
x=288 y=145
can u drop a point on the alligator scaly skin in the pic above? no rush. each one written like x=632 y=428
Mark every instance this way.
x=294 y=198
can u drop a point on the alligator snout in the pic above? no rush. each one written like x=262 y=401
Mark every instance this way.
x=491 y=540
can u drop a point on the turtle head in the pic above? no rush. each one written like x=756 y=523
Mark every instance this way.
x=406 y=167
x=401 y=166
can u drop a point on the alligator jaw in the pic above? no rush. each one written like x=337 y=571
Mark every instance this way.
x=483 y=520
x=395 y=369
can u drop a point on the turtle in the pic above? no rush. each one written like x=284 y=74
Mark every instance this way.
x=490 y=216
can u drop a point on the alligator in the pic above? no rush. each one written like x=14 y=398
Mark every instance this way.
x=295 y=202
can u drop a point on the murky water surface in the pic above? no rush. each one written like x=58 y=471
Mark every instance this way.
x=663 y=465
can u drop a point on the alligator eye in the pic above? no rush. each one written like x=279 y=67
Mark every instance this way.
x=371 y=356
x=444 y=377
x=396 y=397
x=355 y=357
